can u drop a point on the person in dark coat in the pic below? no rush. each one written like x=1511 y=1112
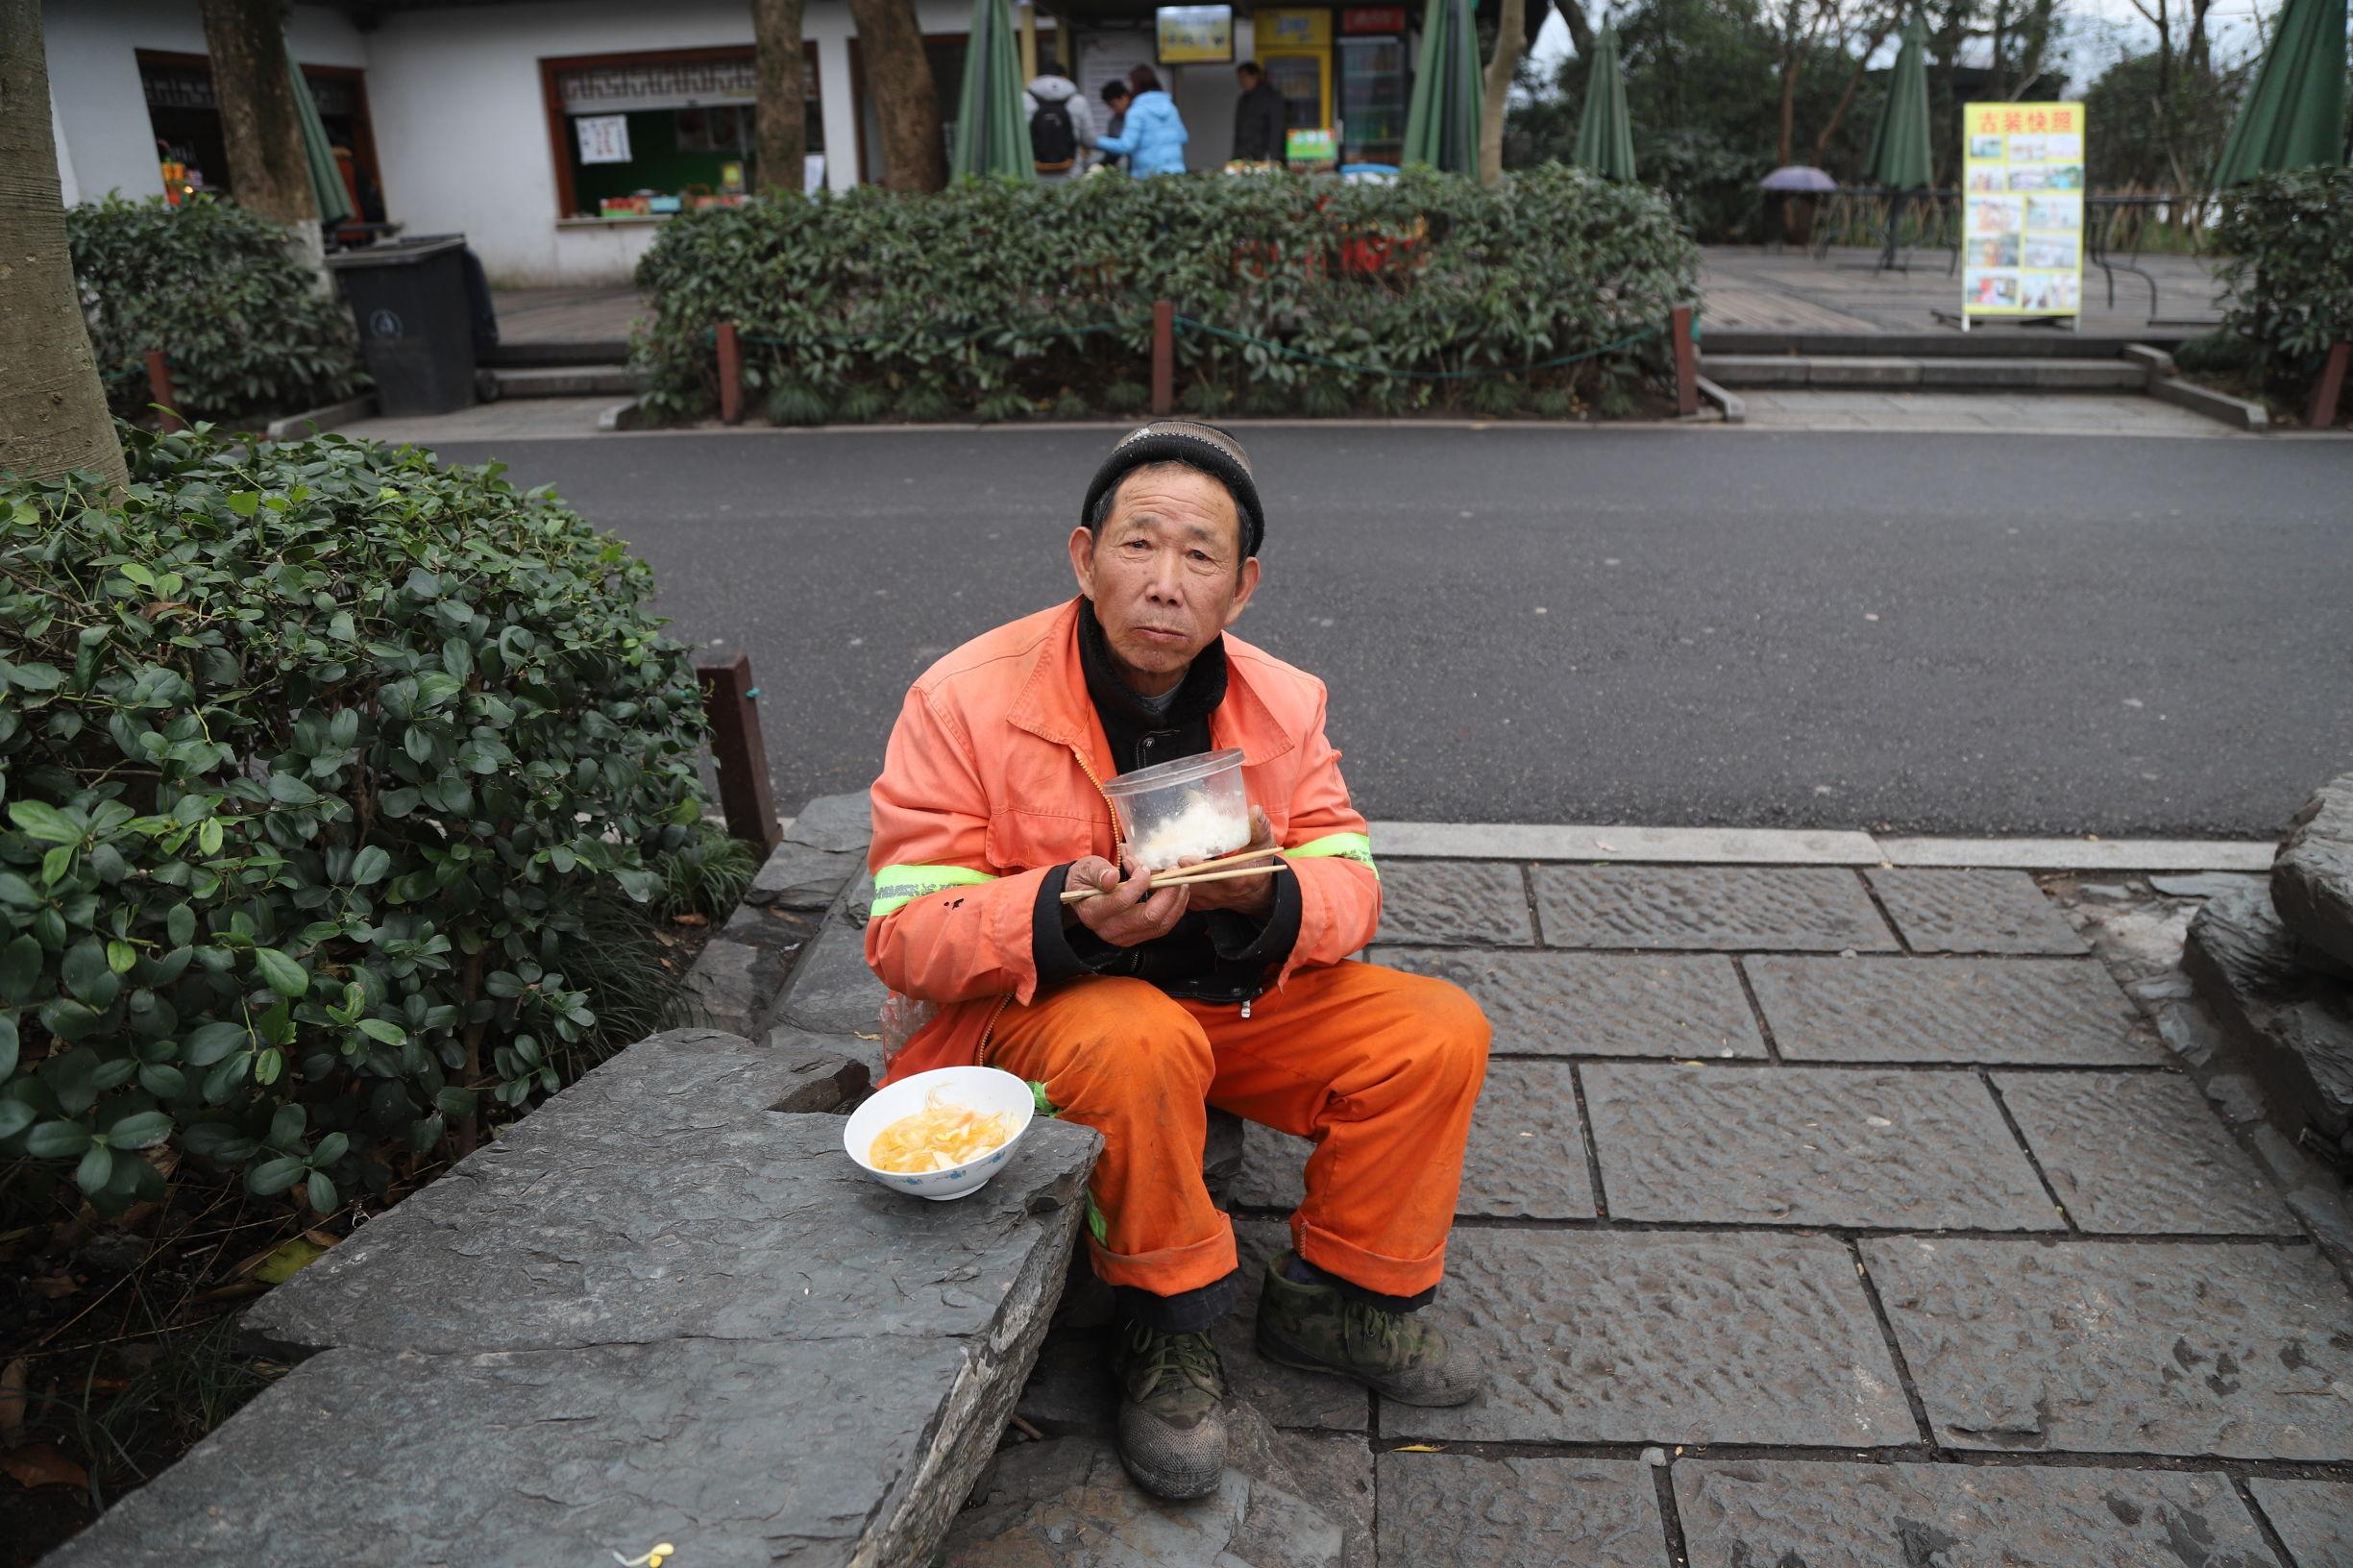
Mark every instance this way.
x=1116 y=96
x=1262 y=121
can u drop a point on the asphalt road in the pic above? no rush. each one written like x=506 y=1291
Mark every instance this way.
x=1946 y=634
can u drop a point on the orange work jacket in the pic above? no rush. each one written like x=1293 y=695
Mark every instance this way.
x=994 y=775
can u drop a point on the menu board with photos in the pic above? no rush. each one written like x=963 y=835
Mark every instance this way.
x=2021 y=224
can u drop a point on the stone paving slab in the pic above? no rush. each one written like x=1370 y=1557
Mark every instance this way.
x=1724 y=907
x=1775 y=1512
x=1972 y=912
x=2314 y=1518
x=1645 y=1338
x=1069 y=1504
x=2141 y=1152
x=1526 y=1157
x=1454 y=901
x=1598 y=1004
x=2110 y=1347
x=761 y=1230
x=549 y=1457
x=1826 y=1146
x=1447 y=1508
x=1948 y=1010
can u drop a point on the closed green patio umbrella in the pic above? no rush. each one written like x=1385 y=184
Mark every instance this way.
x=1899 y=142
x=991 y=134
x=1443 y=118
x=2294 y=116
x=319 y=153
x=1605 y=132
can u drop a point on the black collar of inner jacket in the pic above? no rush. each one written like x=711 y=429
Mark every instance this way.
x=1119 y=706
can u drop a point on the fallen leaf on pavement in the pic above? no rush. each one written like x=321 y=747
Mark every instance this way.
x=13 y=1402
x=38 y=1465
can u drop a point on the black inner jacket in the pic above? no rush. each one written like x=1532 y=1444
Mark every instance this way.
x=1221 y=956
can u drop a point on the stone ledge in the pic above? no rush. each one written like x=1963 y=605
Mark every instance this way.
x=712 y=1325
x=2237 y=414
x=2295 y=1026
x=2312 y=881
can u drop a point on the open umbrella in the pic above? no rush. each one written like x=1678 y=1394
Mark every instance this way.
x=1799 y=179
x=2294 y=114
x=1605 y=132
x=991 y=137
x=1899 y=142
x=319 y=153
x=1442 y=120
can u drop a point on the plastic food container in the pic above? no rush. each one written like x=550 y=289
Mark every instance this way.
x=984 y=1090
x=1190 y=809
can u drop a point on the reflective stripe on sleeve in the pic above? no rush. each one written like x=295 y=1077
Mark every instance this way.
x=895 y=885
x=1343 y=846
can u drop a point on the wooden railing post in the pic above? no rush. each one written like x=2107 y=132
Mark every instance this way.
x=1163 y=356
x=1686 y=362
x=730 y=375
x=159 y=392
x=2321 y=415
x=732 y=705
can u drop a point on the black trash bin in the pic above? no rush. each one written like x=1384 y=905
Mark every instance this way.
x=416 y=326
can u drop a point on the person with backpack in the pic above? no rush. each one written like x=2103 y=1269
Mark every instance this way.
x=1060 y=124
x=1153 y=137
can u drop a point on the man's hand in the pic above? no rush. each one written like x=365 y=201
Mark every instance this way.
x=1127 y=913
x=1251 y=895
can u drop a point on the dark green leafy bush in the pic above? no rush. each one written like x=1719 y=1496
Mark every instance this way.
x=2290 y=238
x=993 y=293
x=216 y=288
x=323 y=764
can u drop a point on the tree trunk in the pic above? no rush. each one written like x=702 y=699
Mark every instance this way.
x=1510 y=43
x=782 y=118
x=259 y=125
x=1580 y=26
x=1854 y=80
x=906 y=104
x=53 y=409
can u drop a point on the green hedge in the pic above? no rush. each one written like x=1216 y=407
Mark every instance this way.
x=318 y=762
x=1008 y=300
x=2290 y=238
x=217 y=289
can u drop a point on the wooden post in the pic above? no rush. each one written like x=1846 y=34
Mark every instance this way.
x=730 y=375
x=1163 y=356
x=2321 y=415
x=160 y=391
x=731 y=702
x=1686 y=363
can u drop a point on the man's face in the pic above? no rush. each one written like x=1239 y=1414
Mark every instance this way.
x=1247 y=77
x=1166 y=572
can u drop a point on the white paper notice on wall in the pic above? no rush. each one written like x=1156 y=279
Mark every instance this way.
x=604 y=138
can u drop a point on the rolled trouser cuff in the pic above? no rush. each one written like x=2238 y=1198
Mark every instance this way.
x=1168 y=1271
x=1374 y=1273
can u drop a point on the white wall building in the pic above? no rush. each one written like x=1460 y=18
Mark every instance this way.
x=464 y=116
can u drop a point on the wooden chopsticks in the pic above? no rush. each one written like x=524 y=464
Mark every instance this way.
x=1223 y=868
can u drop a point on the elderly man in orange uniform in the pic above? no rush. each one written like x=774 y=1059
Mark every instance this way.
x=1136 y=1010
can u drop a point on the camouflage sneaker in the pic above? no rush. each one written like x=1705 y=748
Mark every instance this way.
x=1315 y=1328
x=1172 y=1421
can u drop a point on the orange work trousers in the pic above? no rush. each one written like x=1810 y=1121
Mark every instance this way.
x=1379 y=1068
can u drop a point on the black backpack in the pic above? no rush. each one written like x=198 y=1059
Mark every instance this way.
x=1053 y=141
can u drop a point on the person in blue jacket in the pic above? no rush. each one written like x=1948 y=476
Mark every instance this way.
x=1153 y=137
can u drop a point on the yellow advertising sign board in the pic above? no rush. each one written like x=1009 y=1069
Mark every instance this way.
x=2022 y=210
x=1196 y=34
x=1290 y=30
